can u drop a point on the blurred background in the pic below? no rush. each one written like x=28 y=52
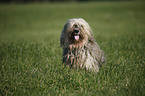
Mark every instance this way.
x=60 y=0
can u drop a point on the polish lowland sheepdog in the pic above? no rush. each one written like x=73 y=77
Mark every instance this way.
x=79 y=47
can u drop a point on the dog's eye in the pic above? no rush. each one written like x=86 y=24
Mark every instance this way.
x=75 y=26
x=81 y=26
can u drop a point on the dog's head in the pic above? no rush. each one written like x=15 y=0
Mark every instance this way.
x=76 y=32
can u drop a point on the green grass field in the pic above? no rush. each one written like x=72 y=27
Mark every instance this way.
x=30 y=54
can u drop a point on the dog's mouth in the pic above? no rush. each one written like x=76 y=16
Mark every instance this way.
x=76 y=37
x=76 y=34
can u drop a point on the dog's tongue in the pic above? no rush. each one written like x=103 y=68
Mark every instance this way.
x=76 y=37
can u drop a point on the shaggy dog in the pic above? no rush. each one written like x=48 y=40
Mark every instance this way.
x=79 y=47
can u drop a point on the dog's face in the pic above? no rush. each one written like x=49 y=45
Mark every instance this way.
x=75 y=33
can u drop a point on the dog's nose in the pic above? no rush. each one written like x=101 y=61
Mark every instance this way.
x=76 y=31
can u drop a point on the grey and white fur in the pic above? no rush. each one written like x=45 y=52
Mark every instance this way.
x=79 y=47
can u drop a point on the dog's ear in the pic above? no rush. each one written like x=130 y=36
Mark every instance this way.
x=91 y=40
x=63 y=35
x=61 y=42
x=62 y=39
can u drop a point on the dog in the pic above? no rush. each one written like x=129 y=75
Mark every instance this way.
x=79 y=47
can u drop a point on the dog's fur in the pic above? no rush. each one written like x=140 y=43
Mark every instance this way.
x=79 y=47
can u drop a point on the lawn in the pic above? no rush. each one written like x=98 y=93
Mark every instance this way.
x=30 y=53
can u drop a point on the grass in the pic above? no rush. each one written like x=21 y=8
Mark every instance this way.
x=30 y=55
